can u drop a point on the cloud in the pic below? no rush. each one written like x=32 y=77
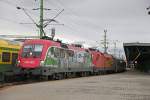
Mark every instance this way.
x=125 y=20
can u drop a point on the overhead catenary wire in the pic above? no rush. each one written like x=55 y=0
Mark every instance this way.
x=13 y=5
x=28 y=15
x=73 y=13
x=8 y=20
x=8 y=2
x=72 y=20
x=73 y=16
x=16 y=6
x=58 y=1
x=47 y=23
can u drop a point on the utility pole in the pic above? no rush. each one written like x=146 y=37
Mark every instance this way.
x=41 y=19
x=41 y=25
x=115 y=46
x=105 y=42
x=119 y=54
x=148 y=8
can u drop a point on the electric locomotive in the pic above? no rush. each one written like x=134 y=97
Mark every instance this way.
x=102 y=63
x=49 y=58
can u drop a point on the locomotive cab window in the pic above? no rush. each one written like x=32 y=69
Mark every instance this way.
x=38 y=50
x=27 y=48
x=33 y=50
x=5 y=57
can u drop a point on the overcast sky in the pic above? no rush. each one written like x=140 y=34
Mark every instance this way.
x=84 y=20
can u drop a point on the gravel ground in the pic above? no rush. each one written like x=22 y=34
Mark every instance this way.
x=129 y=85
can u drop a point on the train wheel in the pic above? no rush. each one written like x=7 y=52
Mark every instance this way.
x=83 y=74
x=96 y=73
x=58 y=76
x=65 y=75
x=73 y=75
x=87 y=74
x=69 y=75
x=45 y=78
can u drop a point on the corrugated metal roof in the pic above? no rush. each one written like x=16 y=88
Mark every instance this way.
x=136 y=44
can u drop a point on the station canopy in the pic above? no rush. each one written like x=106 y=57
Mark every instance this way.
x=138 y=54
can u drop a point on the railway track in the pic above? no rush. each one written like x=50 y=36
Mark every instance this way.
x=37 y=80
x=33 y=80
x=2 y=85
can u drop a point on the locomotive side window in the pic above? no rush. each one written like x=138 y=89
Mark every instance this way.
x=5 y=57
x=56 y=52
x=62 y=53
x=71 y=53
x=66 y=54
x=51 y=52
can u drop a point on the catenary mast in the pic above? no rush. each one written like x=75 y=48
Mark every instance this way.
x=41 y=19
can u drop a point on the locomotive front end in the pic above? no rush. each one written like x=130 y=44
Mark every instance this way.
x=30 y=56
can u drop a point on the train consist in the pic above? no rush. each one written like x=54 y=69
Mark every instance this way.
x=53 y=59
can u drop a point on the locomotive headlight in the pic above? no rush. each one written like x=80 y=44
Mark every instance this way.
x=18 y=62
x=41 y=63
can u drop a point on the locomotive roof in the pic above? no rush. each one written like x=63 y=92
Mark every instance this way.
x=72 y=47
x=98 y=52
x=54 y=43
x=58 y=44
x=42 y=41
x=136 y=44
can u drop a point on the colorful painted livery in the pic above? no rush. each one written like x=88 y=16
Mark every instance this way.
x=54 y=59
